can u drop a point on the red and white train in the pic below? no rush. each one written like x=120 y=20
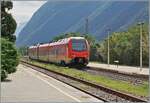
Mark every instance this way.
x=65 y=51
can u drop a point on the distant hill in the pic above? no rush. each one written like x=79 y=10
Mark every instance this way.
x=55 y=18
x=19 y=28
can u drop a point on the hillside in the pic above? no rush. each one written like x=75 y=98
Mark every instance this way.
x=55 y=18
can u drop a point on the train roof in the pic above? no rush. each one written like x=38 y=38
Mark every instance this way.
x=44 y=45
x=65 y=40
x=32 y=47
x=59 y=42
x=76 y=37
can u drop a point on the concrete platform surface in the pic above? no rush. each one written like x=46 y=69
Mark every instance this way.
x=28 y=85
x=125 y=69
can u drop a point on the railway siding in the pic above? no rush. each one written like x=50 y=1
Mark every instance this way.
x=115 y=75
x=140 y=90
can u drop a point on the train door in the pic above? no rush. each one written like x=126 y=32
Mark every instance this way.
x=67 y=53
x=57 y=54
x=48 y=54
x=37 y=53
x=54 y=54
x=52 y=57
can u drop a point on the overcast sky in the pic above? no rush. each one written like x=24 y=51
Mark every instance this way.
x=23 y=10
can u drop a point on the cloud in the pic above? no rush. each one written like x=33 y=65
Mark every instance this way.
x=23 y=10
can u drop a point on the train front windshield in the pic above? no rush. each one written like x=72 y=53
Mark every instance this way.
x=79 y=45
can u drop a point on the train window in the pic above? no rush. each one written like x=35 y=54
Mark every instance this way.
x=79 y=45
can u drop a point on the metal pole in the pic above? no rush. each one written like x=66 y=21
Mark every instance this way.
x=149 y=52
x=108 y=59
x=141 y=43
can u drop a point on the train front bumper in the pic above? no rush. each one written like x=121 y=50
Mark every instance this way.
x=80 y=60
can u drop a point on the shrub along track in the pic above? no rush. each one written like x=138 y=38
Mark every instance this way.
x=98 y=91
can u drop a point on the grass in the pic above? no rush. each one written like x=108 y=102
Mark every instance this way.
x=140 y=90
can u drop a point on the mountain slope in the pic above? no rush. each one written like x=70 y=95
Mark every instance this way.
x=55 y=18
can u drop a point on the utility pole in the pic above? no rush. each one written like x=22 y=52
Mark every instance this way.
x=108 y=59
x=86 y=26
x=141 y=42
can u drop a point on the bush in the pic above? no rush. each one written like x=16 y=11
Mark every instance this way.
x=9 y=58
x=4 y=74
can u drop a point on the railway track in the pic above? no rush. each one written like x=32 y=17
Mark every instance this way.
x=98 y=91
x=134 y=79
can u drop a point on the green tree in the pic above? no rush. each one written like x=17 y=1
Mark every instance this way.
x=23 y=51
x=9 y=54
x=8 y=24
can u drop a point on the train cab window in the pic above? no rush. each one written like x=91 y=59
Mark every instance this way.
x=79 y=45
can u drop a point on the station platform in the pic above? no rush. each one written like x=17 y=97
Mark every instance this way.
x=123 y=69
x=28 y=85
